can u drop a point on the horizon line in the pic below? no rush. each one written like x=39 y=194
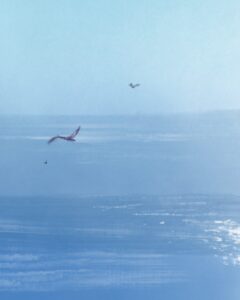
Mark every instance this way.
x=202 y=112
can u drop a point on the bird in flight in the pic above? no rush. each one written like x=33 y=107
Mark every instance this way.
x=133 y=86
x=45 y=162
x=70 y=137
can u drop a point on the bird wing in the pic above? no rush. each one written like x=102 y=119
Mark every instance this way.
x=53 y=139
x=137 y=84
x=75 y=133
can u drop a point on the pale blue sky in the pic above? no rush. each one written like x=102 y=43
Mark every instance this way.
x=77 y=57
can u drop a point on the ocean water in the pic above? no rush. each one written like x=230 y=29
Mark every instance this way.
x=140 y=207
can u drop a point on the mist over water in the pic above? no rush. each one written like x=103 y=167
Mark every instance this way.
x=138 y=207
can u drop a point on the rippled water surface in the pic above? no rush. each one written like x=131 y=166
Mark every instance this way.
x=137 y=208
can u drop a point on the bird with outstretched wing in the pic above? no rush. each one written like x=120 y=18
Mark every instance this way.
x=70 y=138
x=133 y=86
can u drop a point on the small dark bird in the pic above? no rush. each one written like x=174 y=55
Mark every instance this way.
x=45 y=163
x=133 y=86
x=70 y=138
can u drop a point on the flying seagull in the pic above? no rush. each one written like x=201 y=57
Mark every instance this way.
x=133 y=86
x=66 y=138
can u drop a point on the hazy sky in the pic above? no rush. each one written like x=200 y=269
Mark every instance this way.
x=76 y=56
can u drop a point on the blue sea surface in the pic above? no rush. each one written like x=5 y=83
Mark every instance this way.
x=139 y=207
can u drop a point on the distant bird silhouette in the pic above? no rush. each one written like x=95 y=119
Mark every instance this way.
x=69 y=138
x=45 y=163
x=133 y=86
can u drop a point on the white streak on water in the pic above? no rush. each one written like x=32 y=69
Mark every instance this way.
x=99 y=137
x=77 y=270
